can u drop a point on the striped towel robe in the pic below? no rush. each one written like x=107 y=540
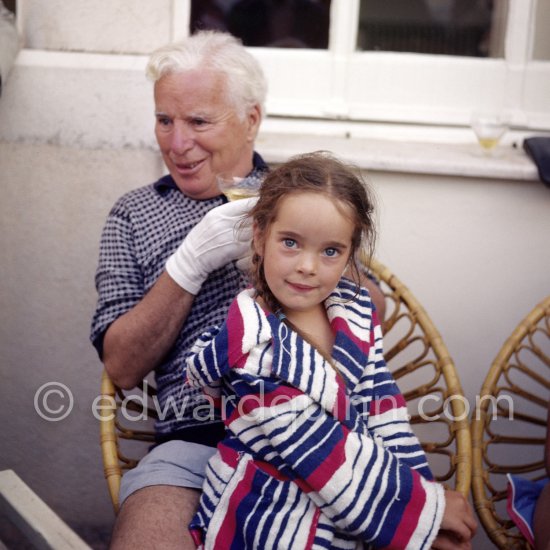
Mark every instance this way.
x=312 y=458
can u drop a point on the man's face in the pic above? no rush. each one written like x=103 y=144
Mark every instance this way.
x=200 y=133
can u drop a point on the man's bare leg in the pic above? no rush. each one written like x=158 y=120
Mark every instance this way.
x=156 y=517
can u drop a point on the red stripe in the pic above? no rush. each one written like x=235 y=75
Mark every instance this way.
x=313 y=528
x=197 y=536
x=228 y=455
x=235 y=334
x=326 y=469
x=410 y=519
x=226 y=534
x=387 y=403
x=231 y=457
x=339 y=324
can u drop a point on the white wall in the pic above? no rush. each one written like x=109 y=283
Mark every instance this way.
x=116 y=26
x=54 y=203
x=474 y=252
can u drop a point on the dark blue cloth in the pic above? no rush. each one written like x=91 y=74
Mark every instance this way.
x=538 y=148
x=522 y=498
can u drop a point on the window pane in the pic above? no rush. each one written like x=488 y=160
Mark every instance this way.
x=9 y=4
x=450 y=27
x=541 y=46
x=268 y=23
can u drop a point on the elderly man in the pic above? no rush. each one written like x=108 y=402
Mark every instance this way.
x=167 y=270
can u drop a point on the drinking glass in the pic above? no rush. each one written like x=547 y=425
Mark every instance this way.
x=489 y=127
x=235 y=188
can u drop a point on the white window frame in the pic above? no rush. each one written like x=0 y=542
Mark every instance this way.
x=343 y=84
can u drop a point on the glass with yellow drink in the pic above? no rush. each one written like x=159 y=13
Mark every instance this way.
x=235 y=188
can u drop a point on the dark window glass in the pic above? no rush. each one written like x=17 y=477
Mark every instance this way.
x=451 y=27
x=266 y=23
x=10 y=4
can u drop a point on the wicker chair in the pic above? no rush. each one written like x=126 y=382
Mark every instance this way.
x=509 y=423
x=417 y=357
x=126 y=429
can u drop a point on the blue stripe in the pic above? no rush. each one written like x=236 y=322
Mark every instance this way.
x=308 y=512
x=259 y=317
x=287 y=518
x=270 y=518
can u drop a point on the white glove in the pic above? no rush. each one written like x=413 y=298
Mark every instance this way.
x=214 y=242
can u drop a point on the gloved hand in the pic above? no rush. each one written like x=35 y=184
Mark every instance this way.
x=215 y=241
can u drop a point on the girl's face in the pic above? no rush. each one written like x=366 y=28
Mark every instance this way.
x=306 y=249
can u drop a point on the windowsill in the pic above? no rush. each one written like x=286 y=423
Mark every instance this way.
x=106 y=103
x=437 y=151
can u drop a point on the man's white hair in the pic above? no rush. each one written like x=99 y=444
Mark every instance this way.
x=218 y=52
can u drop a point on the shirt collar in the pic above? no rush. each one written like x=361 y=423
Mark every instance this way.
x=164 y=184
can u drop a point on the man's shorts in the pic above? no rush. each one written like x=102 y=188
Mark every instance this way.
x=176 y=463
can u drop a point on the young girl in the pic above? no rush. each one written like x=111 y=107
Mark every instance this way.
x=318 y=452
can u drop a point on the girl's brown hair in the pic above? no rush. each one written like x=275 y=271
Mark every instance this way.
x=318 y=172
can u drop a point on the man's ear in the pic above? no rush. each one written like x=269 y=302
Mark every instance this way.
x=254 y=120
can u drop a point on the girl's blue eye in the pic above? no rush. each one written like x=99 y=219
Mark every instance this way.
x=289 y=243
x=331 y=252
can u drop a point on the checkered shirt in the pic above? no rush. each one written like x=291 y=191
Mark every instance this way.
x=144 y=227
